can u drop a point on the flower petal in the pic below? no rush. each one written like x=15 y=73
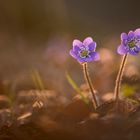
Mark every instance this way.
x=131 y=34
x=138 y=45
x=133 y=52
x=124 y=36
x=87 y=41
x=88 y=59
x=95 y=56
x=73 y=54
x=121 y=50
x=137 y=32
x=92 y=46
x=81 y=60
x=137 y=48
x=77 y=42
x=76 y=48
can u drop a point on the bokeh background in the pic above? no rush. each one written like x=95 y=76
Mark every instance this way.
x=36 y=36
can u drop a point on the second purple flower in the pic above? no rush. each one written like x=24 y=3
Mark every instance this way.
x=130 y=43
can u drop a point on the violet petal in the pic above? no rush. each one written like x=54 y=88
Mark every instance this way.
x=124 y=36
x=76 y=48
x=133 y=52
x=131 y=34
x=77 y=42
x=137 y=32
x=87 y=41
x=121 y=50
x=92 y=46
x=95 y=56
x=81 y=60
x=73 y=54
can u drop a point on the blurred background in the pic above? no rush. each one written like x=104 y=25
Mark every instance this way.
x=36 y=36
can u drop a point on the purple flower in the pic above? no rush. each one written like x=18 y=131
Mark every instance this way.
x=130 y=43
x=84 y=51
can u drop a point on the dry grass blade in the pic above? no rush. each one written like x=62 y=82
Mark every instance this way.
x=37 y=80
x=24 y=116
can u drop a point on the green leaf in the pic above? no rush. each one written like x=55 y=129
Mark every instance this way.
x=76 y=88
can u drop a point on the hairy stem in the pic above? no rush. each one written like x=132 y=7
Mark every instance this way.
x=119 y=77
x=88 y=80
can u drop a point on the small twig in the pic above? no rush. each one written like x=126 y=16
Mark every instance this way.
x=119 y=77
x=88 y=80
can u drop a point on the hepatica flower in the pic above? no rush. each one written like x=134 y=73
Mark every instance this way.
x=84 y=51
x=130 y=43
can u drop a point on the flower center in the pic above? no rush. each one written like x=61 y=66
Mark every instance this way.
x=84 y=53
x=132 y=43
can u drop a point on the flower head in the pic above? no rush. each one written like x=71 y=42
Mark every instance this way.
x=84 y=51
x=130 y=43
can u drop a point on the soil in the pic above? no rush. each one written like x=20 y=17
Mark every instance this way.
x=69 y=121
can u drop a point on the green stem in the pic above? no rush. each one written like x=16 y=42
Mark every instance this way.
x=88 y=80
x=119 y=77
